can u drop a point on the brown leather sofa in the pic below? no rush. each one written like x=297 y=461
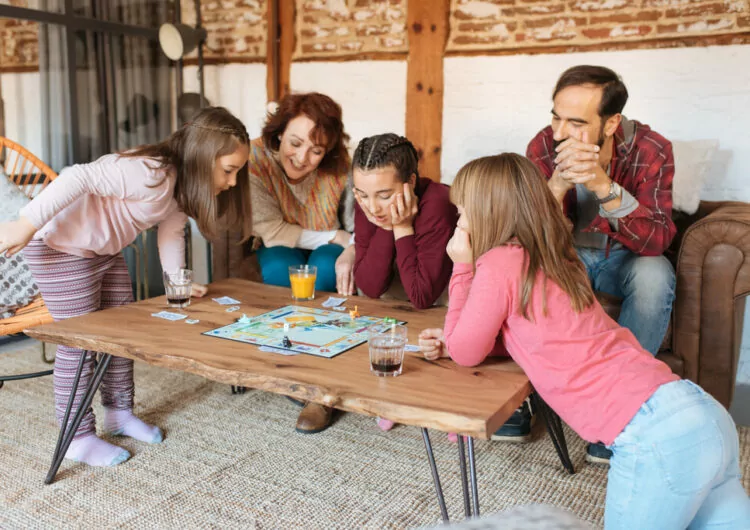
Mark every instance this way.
x=711 y=254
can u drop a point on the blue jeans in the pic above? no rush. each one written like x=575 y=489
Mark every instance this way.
x=676 y=465
x=645 y=283
x=275 y=262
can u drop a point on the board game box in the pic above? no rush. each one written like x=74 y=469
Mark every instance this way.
x=314 y=331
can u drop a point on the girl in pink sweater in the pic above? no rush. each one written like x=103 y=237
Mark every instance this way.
x=75 y=231
x=518 y=288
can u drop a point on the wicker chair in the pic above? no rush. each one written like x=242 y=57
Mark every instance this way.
x=31 y=175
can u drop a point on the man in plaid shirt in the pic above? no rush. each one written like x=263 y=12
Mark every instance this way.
x=613 y=178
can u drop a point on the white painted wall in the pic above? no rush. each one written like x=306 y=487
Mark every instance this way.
x=495 y=104
x=372 y=94
x=241 y=88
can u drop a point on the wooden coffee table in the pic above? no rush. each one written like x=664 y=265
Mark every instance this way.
x=440 y=395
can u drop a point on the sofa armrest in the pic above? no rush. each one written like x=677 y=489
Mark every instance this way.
x=713 y=277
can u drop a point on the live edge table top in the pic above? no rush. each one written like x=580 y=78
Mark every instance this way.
x=433 y=394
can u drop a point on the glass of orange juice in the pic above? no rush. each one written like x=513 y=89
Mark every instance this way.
x=302 y=278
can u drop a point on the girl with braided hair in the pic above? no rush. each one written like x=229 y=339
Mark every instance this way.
x=402 y=221
x=76 y=228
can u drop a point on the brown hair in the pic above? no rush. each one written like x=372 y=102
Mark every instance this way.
x=192 y=151
x=506 y=200
x=614 y=92
x=329 y=127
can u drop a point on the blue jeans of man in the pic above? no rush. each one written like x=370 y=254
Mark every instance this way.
x=676 y=465
x=645 y=283
x=275 y=262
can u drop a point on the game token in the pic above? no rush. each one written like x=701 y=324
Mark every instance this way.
x=354 y=313
x=287 y=342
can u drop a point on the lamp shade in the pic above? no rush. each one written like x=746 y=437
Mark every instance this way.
x=177 y=40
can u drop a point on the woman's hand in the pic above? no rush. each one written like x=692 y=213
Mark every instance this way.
x=459 y=247
x=345 y=272
x=15 y=235
x=341 y=238
x=198 y=290
x=432 y=344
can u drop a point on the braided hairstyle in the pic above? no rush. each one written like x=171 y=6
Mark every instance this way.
x=382 y=150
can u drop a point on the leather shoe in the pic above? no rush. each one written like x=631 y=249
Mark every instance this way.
x=314 y=418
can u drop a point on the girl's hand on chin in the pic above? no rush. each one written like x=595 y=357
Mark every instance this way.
x=459 y=247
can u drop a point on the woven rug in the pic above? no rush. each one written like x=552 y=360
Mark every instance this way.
x=236 y=461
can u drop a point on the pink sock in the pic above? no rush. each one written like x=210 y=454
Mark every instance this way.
x=123 y=423
x=94 y=451
x=385 y=425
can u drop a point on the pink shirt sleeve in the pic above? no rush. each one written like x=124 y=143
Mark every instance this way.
x=109 y=176
x=171 y=241
x=477 y=309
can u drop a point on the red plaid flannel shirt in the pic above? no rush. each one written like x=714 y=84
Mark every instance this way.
x=644 y=166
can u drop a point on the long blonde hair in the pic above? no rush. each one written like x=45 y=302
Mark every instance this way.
x=506 y=201
x=192 y=151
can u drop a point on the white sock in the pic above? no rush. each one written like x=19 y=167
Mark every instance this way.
x=94 y=451
x=124 y=423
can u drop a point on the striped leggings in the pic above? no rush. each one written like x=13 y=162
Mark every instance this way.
x=72 y=286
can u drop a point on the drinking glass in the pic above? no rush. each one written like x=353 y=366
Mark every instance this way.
x=302 y=278
x=387 y=350
x=178 y=287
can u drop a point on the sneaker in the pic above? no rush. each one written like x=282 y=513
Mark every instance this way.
x=518 y=427
x=598 y=454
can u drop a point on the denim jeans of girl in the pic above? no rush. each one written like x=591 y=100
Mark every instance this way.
x=676 y=466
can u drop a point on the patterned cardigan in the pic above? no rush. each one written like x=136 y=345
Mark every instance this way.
x=282 y=210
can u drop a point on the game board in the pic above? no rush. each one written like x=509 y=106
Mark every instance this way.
x=313 y=331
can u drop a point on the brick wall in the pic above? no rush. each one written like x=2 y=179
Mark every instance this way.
x=335 y=28
x=19 y=45
x=509 y=24
x=237 y=29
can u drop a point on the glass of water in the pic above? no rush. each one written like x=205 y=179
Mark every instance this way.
x=178 y=286
x=387 y=350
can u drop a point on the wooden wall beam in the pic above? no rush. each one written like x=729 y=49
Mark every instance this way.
x=279 y=48
x=427 y=24
x=286 y=44
x=272 y=50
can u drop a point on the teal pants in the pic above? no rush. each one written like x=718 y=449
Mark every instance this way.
x=275 y=263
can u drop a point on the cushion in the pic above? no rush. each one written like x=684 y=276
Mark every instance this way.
x=17 y=287
x=692 y=160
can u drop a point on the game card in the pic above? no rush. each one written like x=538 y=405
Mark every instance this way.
x=226 y=300
x=334 y=302
x=168 y=315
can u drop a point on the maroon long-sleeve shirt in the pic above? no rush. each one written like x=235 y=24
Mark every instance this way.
x=423 y=264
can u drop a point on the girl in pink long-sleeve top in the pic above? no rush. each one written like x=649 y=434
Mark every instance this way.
x=75 y=231
x=517 y=286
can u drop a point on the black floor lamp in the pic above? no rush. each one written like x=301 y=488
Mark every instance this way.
x=176 y=41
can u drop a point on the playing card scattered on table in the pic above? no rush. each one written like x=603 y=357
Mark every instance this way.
x=168 y=315
x=226 y=300
x=334 y=302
